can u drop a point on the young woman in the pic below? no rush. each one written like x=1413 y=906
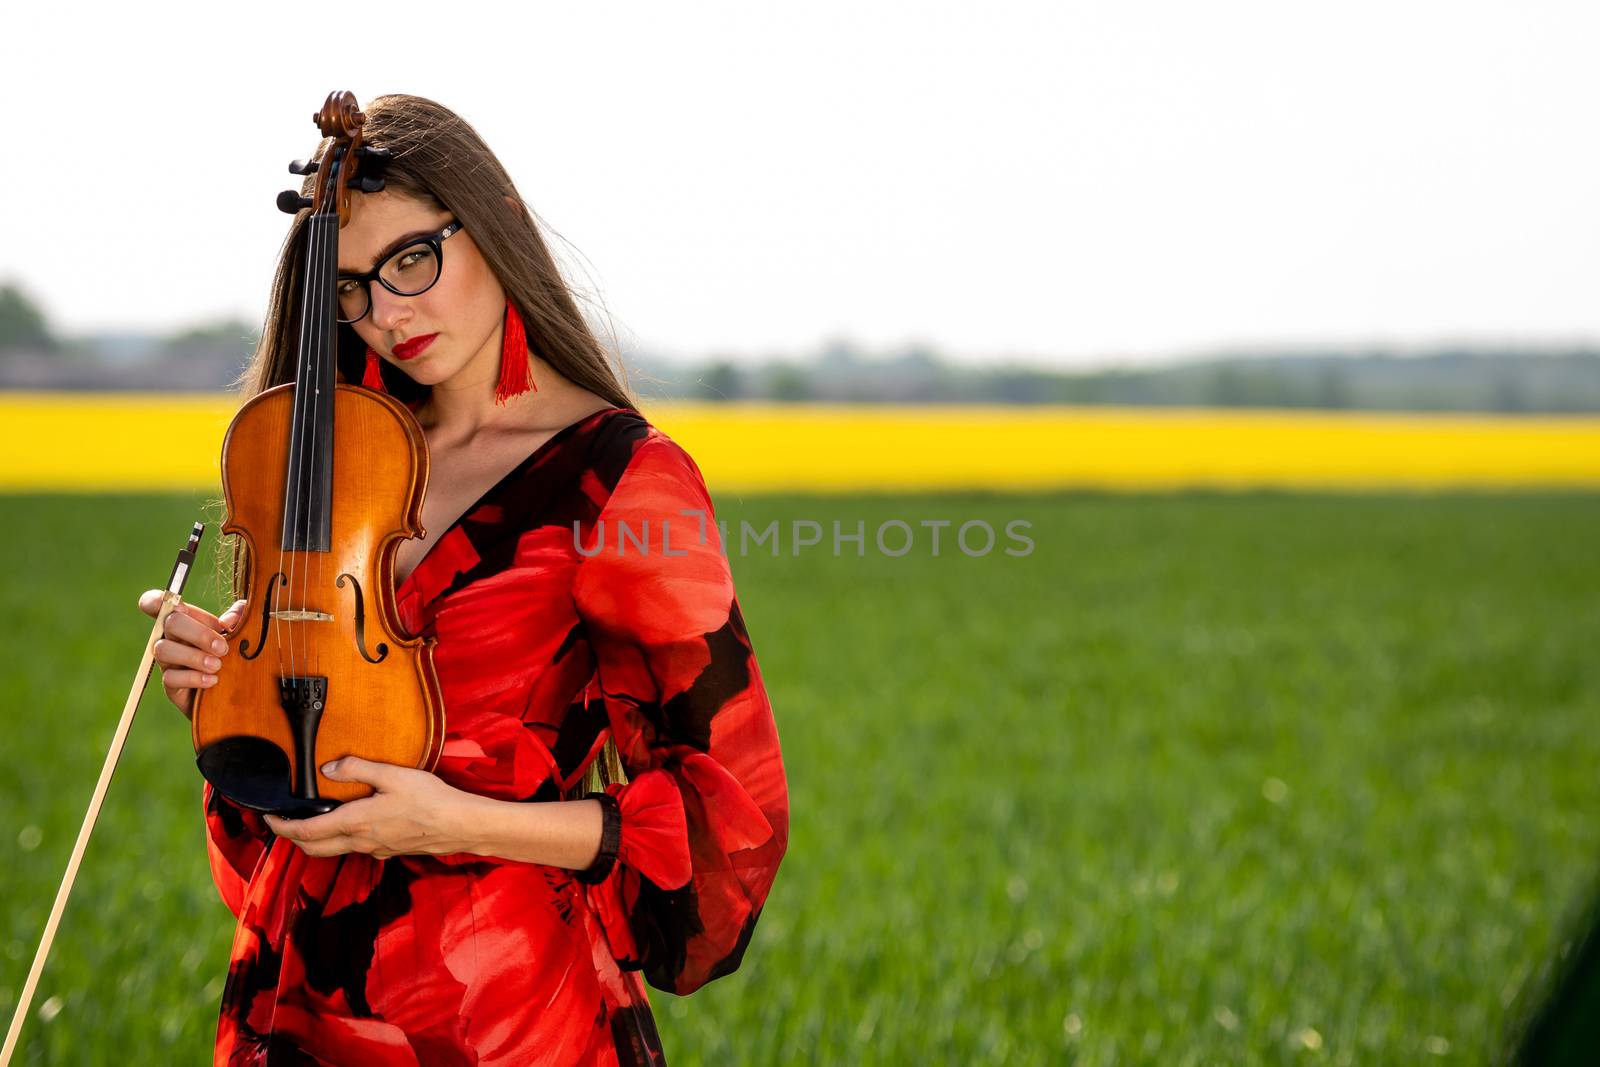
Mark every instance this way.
x=508 y=907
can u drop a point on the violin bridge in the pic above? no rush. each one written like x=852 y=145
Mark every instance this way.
x=301 y=616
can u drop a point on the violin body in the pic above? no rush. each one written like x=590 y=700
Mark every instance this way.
x=324 y=615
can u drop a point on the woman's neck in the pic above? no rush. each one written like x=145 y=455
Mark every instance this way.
x=458 y=412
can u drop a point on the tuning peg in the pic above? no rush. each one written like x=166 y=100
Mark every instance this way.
x=371 y=163
x=289 y=202
x=300 y=166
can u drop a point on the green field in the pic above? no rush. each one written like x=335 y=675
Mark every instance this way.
x=1203 y=779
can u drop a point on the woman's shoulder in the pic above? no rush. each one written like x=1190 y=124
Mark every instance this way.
x=626 y=438
x=626 y=444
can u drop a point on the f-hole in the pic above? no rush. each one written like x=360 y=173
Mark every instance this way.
x=266 y=613
x=361 y=622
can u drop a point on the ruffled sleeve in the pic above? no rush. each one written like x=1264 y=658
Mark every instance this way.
x=693 y=841
x=236 y=839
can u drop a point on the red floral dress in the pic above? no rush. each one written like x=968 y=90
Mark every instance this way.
x=585 y=595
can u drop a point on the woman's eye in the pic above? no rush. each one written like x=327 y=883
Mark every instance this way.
x=345 y=287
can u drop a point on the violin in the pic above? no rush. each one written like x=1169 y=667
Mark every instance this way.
x=322 y=480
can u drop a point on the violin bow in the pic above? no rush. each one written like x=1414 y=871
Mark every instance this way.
x=170 y=599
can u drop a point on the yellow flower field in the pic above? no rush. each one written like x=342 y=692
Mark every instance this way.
x=94 y=442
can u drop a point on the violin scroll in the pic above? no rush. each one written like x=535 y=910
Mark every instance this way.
x=344 y=163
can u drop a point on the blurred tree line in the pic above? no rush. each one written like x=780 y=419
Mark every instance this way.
x=33 y=355
x=209 y=356
x=22 y=323
x=1538 y=380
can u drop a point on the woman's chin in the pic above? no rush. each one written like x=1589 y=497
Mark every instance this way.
x=424 y=371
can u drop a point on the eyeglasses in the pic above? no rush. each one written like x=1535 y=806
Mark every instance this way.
x=409 y=272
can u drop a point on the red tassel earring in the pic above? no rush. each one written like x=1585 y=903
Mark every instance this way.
x=515 y=378
x=372 y=378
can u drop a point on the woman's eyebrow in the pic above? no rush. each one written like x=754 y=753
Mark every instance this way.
x=390 y=249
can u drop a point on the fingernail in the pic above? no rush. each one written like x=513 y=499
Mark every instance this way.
x=208 y=679
x=213 y=663
x=330 y=767
x=219 y=646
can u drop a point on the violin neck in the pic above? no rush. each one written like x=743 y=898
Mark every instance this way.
x=308 y=481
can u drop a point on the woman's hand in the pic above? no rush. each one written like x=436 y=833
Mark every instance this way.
x=412 y=812
x=192 y=649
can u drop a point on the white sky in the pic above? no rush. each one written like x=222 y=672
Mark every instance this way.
x=1074 y=183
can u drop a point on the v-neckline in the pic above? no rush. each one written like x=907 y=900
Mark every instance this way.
x=521 y=466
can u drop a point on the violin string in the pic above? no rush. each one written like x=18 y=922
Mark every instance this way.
x=296 y=483
x=290 y=470
x=327 y=345
x=319 y=342
x=322 y=343
x=329 y=351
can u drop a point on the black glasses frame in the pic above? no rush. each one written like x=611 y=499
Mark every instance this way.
x=435 y=241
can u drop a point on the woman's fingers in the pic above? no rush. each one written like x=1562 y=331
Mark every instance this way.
x=230 y=618
x=191 y=649
x=184 y=669
x=177 y=654
x=203 y=630
x=192 y=631
x=180 y=686
x=196 y=614
x=150 y=604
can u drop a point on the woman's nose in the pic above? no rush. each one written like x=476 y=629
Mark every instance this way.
x=388 y=310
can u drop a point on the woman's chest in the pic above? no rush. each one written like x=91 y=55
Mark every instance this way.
x=493 y=589
x=458 y=478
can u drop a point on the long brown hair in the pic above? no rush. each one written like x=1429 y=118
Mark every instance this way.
x=438 y=158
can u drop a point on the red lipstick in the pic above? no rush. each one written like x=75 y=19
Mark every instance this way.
x=412 y=348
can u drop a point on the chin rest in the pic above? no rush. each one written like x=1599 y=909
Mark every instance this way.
x=254 y=773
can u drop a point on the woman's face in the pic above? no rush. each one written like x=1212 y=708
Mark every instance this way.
x=465 y=308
